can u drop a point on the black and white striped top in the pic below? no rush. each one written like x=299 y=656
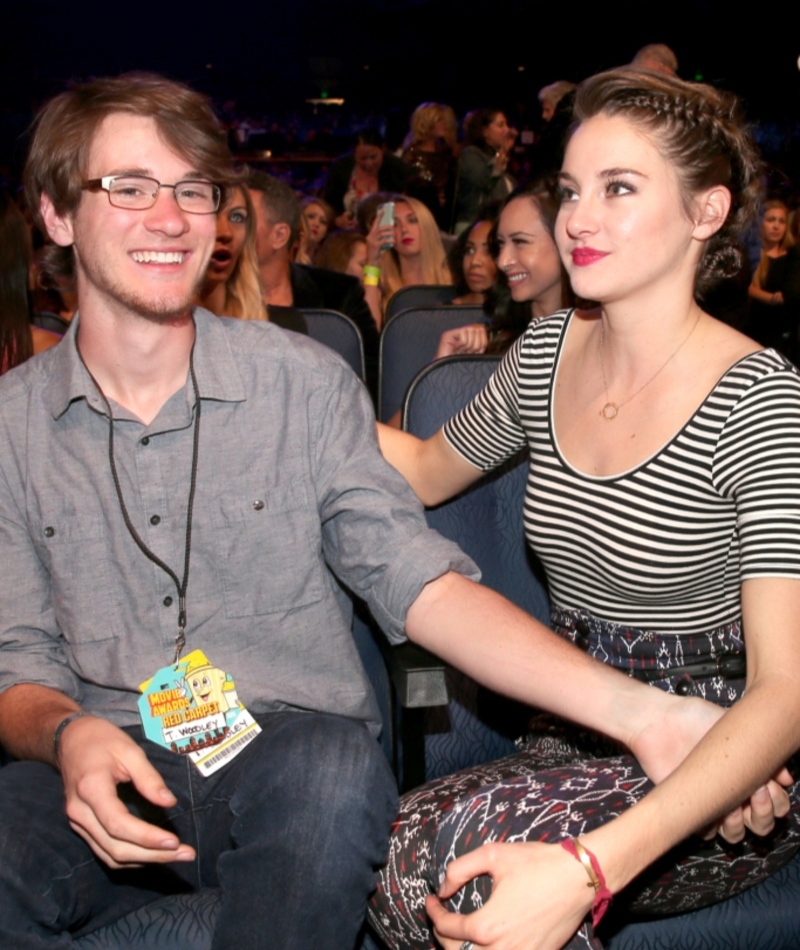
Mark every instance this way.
x=666 y=545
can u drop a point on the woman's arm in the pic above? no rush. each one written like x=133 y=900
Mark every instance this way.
x=539 y=891
x=431 y=467
x=765 y=296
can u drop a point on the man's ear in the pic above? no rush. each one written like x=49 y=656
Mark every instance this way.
x=59 y=227
x=281 y=232
x=712 y=210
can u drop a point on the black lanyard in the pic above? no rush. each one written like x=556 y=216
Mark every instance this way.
x=180 y=639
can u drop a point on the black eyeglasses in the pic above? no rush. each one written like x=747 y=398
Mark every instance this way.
x=138 y=193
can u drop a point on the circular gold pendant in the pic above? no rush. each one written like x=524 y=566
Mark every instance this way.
x=610 y=411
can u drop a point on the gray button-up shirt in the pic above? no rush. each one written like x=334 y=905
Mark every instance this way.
x=290 y=485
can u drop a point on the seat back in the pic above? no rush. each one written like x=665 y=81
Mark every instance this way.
x=419 y=295
x=486 y=522
x=340 y=333
x=409 y=342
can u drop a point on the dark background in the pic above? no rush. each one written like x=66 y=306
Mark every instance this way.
x=390 y=54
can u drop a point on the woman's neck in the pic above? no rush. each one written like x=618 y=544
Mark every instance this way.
x=411 y=270
x=214 y=298
x=548 y=303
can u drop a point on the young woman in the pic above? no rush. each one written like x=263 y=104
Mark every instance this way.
x=316 y=222
x=367 y=169
x=531 y=282
x=345 y=252
x=232 y=287
x=664 y=458
x=417 y=255
x=771 y=322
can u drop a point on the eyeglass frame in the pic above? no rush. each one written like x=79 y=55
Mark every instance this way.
x=104 y=184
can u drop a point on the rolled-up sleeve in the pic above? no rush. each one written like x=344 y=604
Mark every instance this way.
x=375 y=536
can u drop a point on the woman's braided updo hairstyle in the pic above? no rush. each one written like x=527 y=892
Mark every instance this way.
x=701 y=130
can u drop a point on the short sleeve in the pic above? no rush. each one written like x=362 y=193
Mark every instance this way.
x=488 y=430
x=757 y=463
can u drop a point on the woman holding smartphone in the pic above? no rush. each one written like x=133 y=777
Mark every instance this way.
x=664 y=458
x=404 y=248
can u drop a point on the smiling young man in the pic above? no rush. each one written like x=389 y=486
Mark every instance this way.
x=176 y=493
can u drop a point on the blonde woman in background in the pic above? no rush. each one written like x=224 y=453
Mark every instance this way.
x=430 y=152
x=232 y=287
x=417 y=255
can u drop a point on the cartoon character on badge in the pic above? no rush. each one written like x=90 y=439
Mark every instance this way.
x=208 y=684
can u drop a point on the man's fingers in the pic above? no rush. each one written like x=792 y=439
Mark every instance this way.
x=98 y=814
x=121 y=839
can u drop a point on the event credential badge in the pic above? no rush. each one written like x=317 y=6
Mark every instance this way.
x=192 y=709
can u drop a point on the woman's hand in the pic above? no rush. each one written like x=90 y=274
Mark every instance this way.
x=540 y=896
x=378 y=238
x=470 y=339
x=662 y=744
x=346 y=221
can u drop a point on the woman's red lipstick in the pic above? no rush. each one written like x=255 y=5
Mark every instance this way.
x=583 y=256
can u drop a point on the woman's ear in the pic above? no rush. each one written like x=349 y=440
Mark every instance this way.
x=59 y=227
x=712 y=209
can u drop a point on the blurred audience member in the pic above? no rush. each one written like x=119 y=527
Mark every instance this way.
x=550 y=96
x=232 y=287
x=429 y=151
x=771 y=321
x=408 y=252
x=658 y=58
x=482 y=167
x=316 y=221
x=345 y=252
x=368 y=168
x=19 y=339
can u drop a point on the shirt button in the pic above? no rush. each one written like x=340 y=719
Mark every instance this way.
x=49 y=532
x=167 y=601
x=683 y=688
x=155 y=520
x=145 y=440
x=258 y=504
x=582 y=627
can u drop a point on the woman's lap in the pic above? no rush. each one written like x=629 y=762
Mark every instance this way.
x=547 y=793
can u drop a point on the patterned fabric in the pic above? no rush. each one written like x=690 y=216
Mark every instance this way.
x=564 y=782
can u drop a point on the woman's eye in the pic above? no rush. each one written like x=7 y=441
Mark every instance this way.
x=237 y=217
x=619 y=188
x=469 y=251
x=566 y=194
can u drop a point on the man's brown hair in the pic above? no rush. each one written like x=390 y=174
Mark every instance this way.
x=65 y=128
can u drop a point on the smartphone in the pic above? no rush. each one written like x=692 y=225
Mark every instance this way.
x=386 y=219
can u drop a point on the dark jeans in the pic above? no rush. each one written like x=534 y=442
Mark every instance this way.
x=291 y=831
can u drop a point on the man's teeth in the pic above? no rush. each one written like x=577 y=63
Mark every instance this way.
x=158 y=257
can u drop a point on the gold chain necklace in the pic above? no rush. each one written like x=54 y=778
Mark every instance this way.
x=610 y=410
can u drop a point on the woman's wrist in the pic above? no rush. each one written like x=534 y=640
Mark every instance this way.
x=372 y=275
x=597 y=881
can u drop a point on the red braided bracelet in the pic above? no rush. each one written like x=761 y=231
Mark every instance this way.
x=602 y=895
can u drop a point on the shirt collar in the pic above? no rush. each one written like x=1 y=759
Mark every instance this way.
x=218 y=375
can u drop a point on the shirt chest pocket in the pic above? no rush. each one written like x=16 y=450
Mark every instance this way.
x=267 y=548
x=86 y=598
